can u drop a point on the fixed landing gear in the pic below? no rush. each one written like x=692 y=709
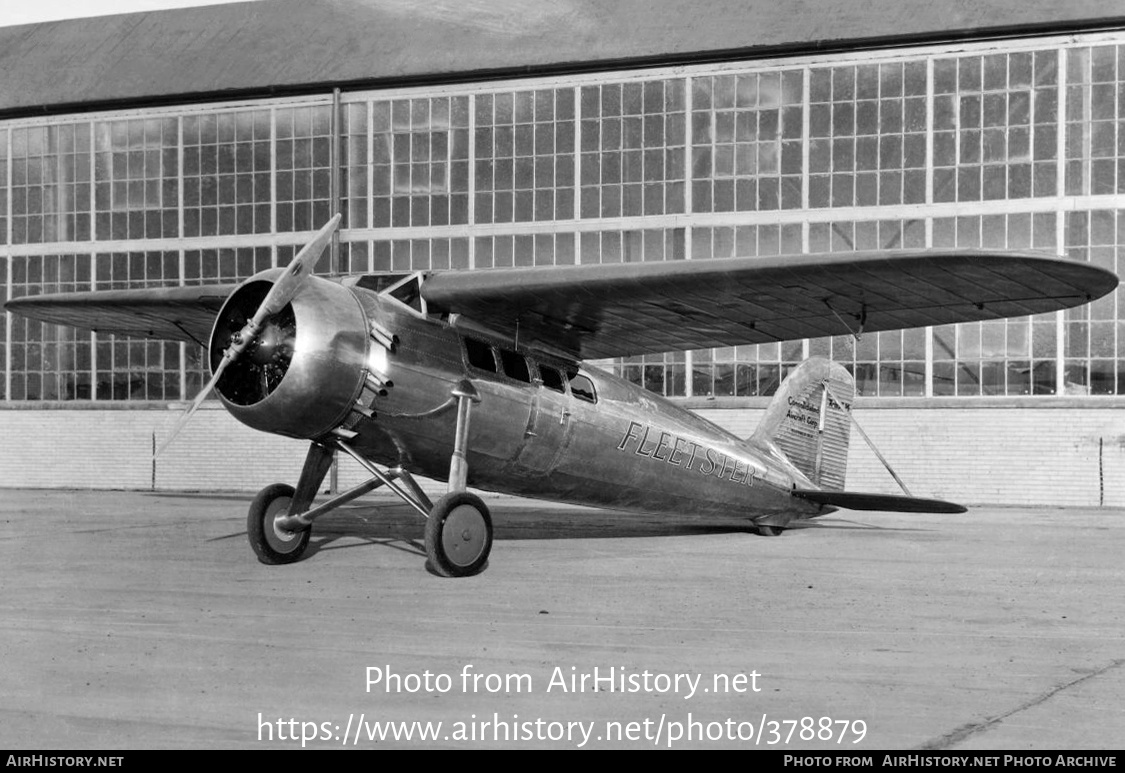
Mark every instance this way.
x=458 y=535
x=272 y=544
x=458 y=525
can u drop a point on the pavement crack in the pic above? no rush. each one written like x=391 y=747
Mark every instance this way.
x=956 y=736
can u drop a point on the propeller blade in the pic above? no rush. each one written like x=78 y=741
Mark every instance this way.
x=186 y=416
x=284 y=290
x=302 y=265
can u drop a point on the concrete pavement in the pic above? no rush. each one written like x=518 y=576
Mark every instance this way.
x=142 y=620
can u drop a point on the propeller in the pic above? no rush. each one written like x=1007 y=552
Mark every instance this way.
x=284 y=290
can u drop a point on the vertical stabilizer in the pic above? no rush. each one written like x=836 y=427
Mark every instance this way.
x=809 y=421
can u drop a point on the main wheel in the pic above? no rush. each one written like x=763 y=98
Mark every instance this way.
x=271 y=544
x=458 y=535
x=769 y=531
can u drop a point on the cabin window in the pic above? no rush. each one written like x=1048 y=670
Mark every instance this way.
x=583 y=388
x=480 y=355
x=551 y=378
x=515 y=366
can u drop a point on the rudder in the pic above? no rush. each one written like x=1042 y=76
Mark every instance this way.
x=809 y=421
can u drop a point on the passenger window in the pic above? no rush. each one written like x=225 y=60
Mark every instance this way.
x=515 y=366
x=480 y=355
x=583 y=388
x=551 y=378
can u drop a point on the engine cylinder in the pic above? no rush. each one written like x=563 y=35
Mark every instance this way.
x=306 y=367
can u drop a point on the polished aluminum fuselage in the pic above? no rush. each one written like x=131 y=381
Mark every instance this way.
x=631 y=449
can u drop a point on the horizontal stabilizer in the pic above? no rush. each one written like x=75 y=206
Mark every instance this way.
x=887 y=502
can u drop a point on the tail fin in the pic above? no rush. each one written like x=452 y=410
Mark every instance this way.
x=809 y=421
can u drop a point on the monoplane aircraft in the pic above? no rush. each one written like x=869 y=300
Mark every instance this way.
x=390 y=368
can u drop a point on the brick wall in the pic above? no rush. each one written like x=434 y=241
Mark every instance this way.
x=975 y=455
x=981 y=455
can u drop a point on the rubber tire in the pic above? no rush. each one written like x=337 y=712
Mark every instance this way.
x=269 y=545
x=451 y=554
x=770 y=531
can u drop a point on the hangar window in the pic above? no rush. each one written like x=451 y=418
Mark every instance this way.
x=420 y=154
x=49 y=362
x=354 y=165
x=541 y=249
x=632 y=151
x=994 y=126
x=3 y=188
x=420 y=254
x=227 y=166
x=746 y=143
x=524 y=145
x=867 y=128
x=50 y=178
x=135 y=171
x=304 y=167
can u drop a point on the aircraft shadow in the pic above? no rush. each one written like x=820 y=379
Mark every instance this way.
x=398 y=527
x=515 y=522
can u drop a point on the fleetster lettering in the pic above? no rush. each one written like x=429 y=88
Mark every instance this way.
x=709 y=463
x=629 y=435
x=669 y=448
x=734 y=473
x=672 y=458
x=641 y=446
x=691 y=461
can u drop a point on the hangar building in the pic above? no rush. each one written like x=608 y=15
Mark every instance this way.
x=204 y=144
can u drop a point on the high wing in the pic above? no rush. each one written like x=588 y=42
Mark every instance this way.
x=594 y=311
x=167 y=313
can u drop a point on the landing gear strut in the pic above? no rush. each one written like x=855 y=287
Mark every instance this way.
x=458 y=525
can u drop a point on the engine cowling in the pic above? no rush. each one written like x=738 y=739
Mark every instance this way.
x=305 y=369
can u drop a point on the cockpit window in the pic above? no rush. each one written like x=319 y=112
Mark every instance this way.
x=551 y=378
x=515 y=366
x=583 y=388
x=480 y=355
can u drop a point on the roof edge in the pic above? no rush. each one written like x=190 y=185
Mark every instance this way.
x=749 y=54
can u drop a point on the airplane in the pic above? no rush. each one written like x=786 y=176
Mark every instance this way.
x=478 y=378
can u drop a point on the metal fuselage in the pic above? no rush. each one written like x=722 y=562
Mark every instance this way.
x=626 y=448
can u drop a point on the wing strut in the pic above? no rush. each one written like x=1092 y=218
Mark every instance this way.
x=862 y=318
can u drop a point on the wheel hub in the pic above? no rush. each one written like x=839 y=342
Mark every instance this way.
x=463 y=536
x=280 y=539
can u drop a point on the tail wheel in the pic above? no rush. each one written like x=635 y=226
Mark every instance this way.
x=458 y=535
x=271 y=544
